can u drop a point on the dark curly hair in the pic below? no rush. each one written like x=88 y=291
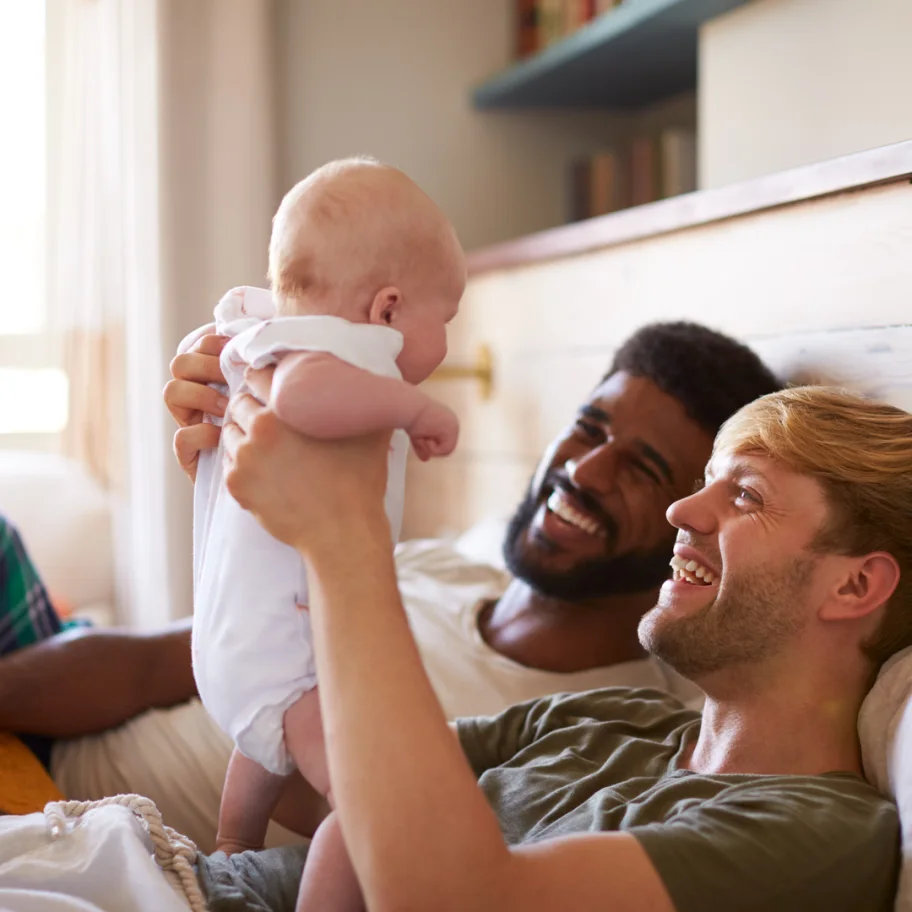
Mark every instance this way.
x=710 y=374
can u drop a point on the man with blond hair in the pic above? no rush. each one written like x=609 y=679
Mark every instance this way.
x=789 y=587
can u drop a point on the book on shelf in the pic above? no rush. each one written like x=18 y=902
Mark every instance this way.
x=678 y=161
x=527 y=27
x=634 y=173
x=550 y=21
x=540 y=23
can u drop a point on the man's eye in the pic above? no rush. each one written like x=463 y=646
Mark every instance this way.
x=646 y=469
x=747 y=497
x=592 y=431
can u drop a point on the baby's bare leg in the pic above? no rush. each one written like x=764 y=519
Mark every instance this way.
x=329 y=880
x=305 y=742
x=248 y=799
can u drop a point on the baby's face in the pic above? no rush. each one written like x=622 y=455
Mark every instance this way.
x=424 y=336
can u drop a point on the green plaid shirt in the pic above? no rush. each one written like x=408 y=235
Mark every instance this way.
x=26 y=612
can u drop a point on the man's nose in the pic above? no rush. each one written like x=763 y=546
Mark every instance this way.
x=596 y=470
x=694 y=513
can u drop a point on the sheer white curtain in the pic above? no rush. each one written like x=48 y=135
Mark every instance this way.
x=161 y=185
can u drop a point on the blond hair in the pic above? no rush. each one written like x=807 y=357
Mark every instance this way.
x=354 y=226
x=860 y=451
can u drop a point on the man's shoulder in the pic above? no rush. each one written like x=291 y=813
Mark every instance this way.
x=643 y=707
x=836 y=800
x=787 y=842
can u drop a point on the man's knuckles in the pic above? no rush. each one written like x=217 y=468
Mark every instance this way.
x=179 y=366
x=263 y=428
x=209 y=344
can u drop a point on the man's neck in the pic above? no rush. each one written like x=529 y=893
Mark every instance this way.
x=566 y=637
x=798 y=726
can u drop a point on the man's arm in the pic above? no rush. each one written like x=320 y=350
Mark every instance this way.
x=85 y=681
x=427 y=838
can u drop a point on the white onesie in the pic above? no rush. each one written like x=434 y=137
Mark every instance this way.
x=252 y=652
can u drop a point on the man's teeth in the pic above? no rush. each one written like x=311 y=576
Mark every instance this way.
x=691 y=571
x=558 y=504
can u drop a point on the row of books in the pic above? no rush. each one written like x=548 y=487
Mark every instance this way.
x=644 y=170
x=542 y=22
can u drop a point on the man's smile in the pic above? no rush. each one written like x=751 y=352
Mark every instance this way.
x=567 y=509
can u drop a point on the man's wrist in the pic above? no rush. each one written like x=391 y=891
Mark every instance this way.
x=345 y=539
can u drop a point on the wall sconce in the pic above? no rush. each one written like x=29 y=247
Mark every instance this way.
x=482 y=370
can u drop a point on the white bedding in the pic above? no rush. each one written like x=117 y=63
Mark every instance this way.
x=885 y=731
x=102 y=864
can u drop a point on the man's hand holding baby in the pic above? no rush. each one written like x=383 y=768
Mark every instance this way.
x=270 y=471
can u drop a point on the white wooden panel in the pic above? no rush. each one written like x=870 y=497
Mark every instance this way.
x=876 y=362
x=821 y=289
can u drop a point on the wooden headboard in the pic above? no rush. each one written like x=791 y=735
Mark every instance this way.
x=812 y=267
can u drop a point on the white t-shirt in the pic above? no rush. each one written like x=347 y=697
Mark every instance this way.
x=178 y=757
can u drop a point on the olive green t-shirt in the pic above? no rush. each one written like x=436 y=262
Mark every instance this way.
x=608 y=760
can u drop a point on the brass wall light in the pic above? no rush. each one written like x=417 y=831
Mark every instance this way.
x=482 y=370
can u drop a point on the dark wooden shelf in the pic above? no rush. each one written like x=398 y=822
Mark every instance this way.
x=639 y=53
x=862 y=170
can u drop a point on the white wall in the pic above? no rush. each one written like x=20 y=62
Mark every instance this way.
x=392 y=79
x=789 y=82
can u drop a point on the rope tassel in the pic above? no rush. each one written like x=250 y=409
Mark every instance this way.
x=174 y=854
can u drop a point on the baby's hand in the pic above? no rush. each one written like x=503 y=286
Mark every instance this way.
x=434 y=432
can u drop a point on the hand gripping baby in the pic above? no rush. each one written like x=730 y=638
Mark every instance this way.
x=366 y=272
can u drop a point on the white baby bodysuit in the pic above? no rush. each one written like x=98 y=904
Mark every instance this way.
x=252 y=652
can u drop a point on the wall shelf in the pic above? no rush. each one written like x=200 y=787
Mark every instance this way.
x=639 y=53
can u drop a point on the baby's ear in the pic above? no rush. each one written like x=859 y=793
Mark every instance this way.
x=386 y=306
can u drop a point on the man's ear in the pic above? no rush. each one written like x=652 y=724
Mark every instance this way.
x=386 y=306
x=865 y=585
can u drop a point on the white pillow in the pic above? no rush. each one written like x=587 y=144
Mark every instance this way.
x=483 y=542
x=885 y=731
x=64 y=517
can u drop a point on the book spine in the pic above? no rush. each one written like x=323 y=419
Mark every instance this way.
x=644 y=172
x=527 y=32
x=577 y=13
x=579 y=190
x=678 y=161
x=607 y=190
x=550 y=21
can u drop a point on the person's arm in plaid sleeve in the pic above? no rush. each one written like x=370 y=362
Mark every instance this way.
x=26 y=613
x=80 y=681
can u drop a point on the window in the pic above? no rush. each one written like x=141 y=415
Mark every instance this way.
x=33 y=390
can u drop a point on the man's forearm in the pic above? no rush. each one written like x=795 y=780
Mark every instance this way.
x=413 y=839
x=85 y=681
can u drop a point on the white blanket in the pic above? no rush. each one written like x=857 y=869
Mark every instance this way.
x=103 y=863
x=885 y=731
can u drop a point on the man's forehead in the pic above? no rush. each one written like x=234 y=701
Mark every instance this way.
x=637 y=397
x=641 y=401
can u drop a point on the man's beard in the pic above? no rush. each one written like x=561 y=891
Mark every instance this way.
x=748 y=623
x=613 y=574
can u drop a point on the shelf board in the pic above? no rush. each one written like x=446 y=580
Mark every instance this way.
x=848 y=174
x=641 y=52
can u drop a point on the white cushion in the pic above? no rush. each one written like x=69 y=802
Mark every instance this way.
x=483 y=542
x=885 y=731
x=64 y=517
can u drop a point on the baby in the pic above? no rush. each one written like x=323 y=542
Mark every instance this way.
x=366 y=272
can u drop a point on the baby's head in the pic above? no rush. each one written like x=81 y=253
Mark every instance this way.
x=360 y=240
